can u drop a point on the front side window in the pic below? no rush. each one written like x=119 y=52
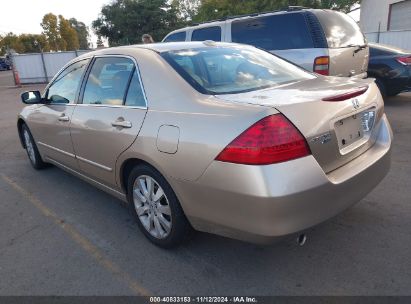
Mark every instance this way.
x=227 y=70
x=207 y=33
x=275 y=32
x=65 y=86
x=108 y=81
x=180 y=36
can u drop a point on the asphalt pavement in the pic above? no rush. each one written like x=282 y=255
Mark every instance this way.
x=61 y=236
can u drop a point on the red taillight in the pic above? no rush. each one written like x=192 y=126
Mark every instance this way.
x=347 y=95
x=322 y=65
x=404 y=60
x=273 y=139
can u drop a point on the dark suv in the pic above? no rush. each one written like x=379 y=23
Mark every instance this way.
x=4 y=64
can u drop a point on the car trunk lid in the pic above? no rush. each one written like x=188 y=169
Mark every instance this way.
x=335 y=130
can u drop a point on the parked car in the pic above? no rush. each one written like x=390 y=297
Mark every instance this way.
x=223 y=138
x=324 y=41
x=391 y=67
x=4 y=64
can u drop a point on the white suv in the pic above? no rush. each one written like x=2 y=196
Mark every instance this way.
x=323 y=41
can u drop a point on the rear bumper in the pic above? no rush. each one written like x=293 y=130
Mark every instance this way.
x=262 y=203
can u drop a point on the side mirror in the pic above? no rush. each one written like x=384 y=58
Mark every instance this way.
x=31 y=97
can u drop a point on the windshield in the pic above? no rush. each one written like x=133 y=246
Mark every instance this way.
x=229 y=70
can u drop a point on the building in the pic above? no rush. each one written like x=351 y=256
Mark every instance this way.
x=387 y=22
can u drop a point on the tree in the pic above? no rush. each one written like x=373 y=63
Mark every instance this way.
x=215 y=9
x=68 y=34
x=33 y=43
x=10 y=42
x=186 y=9
x=63 y=34
x=99 y=42
x=51 y=31
x=82 y=33
x=125 y=21
x=339 y=5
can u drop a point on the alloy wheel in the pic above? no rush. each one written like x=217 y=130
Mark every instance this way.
x=152 y=206
x=29 y=146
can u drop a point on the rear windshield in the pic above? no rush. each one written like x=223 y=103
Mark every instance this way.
x=340 y=29
x=227 y=70
x=275 y=32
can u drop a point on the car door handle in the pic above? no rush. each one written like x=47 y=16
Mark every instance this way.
x=122 y=124
x=63 y=117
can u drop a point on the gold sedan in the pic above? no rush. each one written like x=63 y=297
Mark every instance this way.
x=217 y=137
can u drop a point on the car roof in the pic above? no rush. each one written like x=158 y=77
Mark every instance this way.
x=218 y=22
x=165 y=47
x=388 y=48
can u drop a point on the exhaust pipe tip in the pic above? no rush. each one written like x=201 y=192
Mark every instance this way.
x=301 y=239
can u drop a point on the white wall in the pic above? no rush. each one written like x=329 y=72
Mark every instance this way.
x=374 y=12
x=32 y=68
x=401 y=39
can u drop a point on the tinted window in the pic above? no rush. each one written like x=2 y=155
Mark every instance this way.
x=135 y=95
x=108 y=80
x=340 y=29
x=208 y=33
x=65 y=86
x=276 y=32
x=180 y=36
x=223 y=70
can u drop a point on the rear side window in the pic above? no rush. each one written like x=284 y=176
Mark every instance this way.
x=176 y=37
x=340 y=29
x=276 y=32
x=108 y=80
x=378 y=52
x=135 y=95
x=208 y=33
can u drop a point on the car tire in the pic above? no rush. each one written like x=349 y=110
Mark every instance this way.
x=31 y=149
x=156 y=208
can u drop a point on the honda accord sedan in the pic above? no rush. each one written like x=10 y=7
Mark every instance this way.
x=215 y=137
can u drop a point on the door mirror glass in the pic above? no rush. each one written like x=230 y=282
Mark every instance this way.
x=31 y=97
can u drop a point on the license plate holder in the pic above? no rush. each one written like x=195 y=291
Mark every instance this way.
x=354 y=130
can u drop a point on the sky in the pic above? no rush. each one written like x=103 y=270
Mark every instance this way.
x=25 y=16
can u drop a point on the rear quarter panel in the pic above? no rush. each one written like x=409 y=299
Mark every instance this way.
x=206 y=124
